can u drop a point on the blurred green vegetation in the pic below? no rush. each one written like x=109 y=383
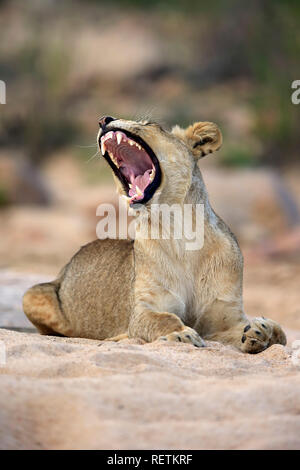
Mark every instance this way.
x=274 y=55
x=94 y=168
x=4 y=198
x=237 y=156
x=251 y=48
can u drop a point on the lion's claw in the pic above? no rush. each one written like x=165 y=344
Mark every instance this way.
x=187 y=335
x=258 y=335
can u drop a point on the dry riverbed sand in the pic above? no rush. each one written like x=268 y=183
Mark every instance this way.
x=69 y=393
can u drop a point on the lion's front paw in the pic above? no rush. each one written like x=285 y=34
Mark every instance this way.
x=187 y=335
x=260 y=334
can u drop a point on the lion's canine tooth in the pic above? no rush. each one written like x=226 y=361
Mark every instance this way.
x=103 y=148
x=119 y=137
x=130 y=185
x=131 y=142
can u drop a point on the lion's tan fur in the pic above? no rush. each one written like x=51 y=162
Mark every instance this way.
x=156 y=289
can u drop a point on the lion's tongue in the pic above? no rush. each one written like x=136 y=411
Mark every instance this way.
x=136 y=166
x=134 y=163
x=139 y=184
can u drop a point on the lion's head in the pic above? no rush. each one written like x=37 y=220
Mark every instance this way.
x=151 y=164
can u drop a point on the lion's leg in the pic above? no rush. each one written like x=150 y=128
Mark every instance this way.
x=42 y=307
x=231 y=326
x=256 y=336
x=152 y=320
x=260 y=333
x=164 y=326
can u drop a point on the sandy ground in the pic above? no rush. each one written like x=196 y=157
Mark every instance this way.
x=62 y=393
x=74 y=394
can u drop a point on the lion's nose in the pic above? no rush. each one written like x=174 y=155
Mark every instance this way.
x=105 y=120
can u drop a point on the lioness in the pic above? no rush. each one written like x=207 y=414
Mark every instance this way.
x=155 y=289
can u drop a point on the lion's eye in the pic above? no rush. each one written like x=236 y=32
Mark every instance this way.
x=155 y=124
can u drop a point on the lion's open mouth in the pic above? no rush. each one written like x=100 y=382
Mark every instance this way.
x=133 y=162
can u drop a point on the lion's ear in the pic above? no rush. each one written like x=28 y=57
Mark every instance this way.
x=201 y=137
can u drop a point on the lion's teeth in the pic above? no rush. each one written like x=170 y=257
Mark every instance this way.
x=132 y=142
x=130 y=185
x=103 y=148
x=119 y=138
x=113 y=159
x=152 y=175
x=109 y=135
